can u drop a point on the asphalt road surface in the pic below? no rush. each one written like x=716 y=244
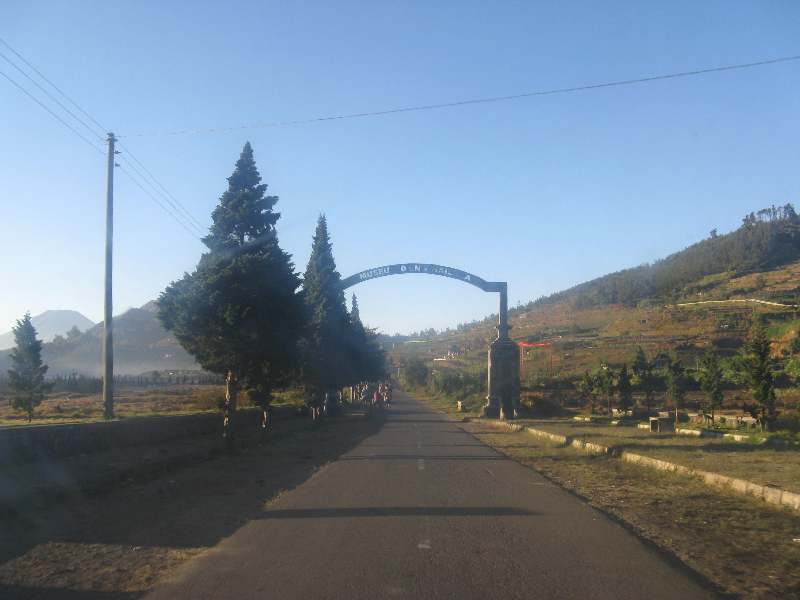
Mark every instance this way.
x=424 y=510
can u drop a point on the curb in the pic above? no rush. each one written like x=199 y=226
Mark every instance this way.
x=769 y=494
x=683 y=431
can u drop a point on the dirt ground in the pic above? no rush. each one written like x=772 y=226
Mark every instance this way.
x=116 y=542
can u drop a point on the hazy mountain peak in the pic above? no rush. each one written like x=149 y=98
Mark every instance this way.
x=50 y=324
x=150 y=306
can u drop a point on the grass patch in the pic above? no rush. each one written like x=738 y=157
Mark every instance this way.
x=66 y=407
x=764 y=464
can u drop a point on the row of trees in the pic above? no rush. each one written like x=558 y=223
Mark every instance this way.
x=459 y=383
x=241 y=313
x=757 y=374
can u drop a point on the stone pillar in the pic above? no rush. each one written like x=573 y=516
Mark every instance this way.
x=504 y=388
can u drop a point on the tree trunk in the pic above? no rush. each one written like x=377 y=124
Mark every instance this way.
x=229 y=425
x=267 y=402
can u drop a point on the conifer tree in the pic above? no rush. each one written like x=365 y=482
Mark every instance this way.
x=586 y=387
x=758 y=373
x=624 y=386
x=355 y=314
x=327 y=361
x=239 y=313
x=26 y=375
x=676 y=387
x=645 y=377
x=367 y=357
x=244 y=215
x=711 y=382
x=605 y=384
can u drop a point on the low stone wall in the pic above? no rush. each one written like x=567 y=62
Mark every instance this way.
x=33 y=443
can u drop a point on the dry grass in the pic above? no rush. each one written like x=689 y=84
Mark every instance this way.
x=777 y=465
x=69 y=407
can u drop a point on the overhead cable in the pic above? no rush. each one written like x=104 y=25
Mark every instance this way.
x=198 y=228
x=92 y=131
x=198 y=225
x=159 y=203
x=464 y=102
x=53 y=85
x=178 y=210
x=51 y=112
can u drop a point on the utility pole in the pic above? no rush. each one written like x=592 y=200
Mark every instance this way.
x=108 y=338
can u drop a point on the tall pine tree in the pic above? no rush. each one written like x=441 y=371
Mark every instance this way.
x=327 y=358
x=239 y=313
x=26 y=375
x=711 y=382
x=645 y=377
x=367 y=356
x=625 y=392
x=244 y=215
x=758 y=374
x=676 y=386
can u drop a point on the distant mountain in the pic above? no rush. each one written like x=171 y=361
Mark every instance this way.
x=50 y=324
x=140 y=345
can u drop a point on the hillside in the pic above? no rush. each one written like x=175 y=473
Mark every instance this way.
x=584 y=338
x=703 y=296
x=140 y=345
x=766 y=240
x=50 y=324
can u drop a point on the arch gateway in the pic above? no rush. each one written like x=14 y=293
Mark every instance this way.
x=502 y=399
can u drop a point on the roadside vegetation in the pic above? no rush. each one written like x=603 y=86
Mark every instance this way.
x=65 y=406
x=241 y=316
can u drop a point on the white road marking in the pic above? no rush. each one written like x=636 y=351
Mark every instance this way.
x=424 y=545
x=421 y=464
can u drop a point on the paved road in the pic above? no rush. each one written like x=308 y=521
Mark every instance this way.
x=424 y=510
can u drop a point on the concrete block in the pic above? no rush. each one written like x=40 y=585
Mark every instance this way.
x=772 y=494
x=791 y=499
x=739 y=485
x=662 y=424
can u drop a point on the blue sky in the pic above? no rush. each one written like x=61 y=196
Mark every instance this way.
x=542 y=192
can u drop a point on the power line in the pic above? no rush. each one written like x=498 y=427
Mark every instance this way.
x=51 y=97
x=159 y=203
x=186 y=212
x=51 y=112
x=53 y=85
x=199 y=229
x=199 y=226
x=481 y=101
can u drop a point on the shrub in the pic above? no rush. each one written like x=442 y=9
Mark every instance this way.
x=415 y=373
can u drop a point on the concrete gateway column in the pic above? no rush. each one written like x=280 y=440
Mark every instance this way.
x=504 y=389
